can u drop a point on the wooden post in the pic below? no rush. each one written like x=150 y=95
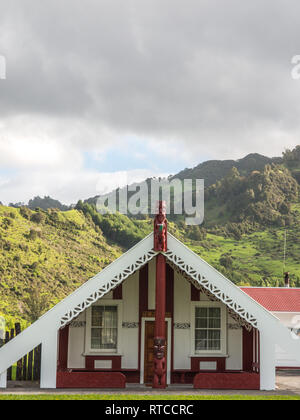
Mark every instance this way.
x=160 y=245
x=3 y=375
x=37 y=364
x=24 y=372
x=160 y=364
x=30 y=366
x=160 y=311
x=20 y=362
x=10 y=370
x=63 y=348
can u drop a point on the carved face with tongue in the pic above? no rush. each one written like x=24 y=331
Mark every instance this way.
x=159 y=348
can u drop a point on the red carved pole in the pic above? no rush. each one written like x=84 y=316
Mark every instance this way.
x=160 y=245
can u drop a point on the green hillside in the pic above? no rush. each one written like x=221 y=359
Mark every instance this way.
x=51 y=258
x=214 y=170
x=47 y=254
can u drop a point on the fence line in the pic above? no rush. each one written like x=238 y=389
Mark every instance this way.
x=29 y=367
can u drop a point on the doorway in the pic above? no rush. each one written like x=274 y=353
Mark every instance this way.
x=147 y=347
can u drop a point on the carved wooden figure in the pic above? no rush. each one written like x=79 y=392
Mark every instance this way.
x=161 y=229
x=160 y=366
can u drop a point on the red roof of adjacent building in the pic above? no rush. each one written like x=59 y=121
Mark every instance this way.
x=275 y=299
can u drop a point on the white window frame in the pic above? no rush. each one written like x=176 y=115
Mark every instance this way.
x=104 y=352
x=207 y=304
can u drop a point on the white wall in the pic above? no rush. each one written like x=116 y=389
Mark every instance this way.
x=182 y=337
x=76 y=359
x=235 y=346
x=182 y=314
x=129 y=336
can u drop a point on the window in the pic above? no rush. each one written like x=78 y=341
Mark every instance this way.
x=104 y=328
x=208 y=329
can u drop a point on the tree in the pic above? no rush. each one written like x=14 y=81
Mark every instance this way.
x=38 y=217
x=292 y=157
x=46 y=203
x=196 y=233
x=226 y=261
x=36 y=304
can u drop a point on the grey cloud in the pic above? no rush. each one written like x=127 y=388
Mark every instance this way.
x=208 y=74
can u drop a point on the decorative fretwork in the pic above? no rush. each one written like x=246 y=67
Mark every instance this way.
x=182 y=325
x=242 y=323
x=234 y=327
x=238 y=313
x=213 y=292
x=77 y=324
x=107 y=287
x=130 y=325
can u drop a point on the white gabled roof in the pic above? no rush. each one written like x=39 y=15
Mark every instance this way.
x=188 y=262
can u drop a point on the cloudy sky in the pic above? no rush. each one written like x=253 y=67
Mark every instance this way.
x=99 y=92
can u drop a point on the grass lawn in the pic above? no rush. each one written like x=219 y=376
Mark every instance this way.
x=149 y=397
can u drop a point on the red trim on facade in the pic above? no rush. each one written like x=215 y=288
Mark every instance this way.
x=118 y=293
x=143 y=303
x=170 y=307
x=228 y=380
x=221 y=363
x=170 y=290
x=160 y=300
x=288 y=368
x=247 y=350
x=90 y=380
x=258 y=332
x=132 y=377
x=160 y=370
x=256 y=353
x=116 y=362
x=143 y=289
x=182 y=377
x=195 y=294
x=63 y=348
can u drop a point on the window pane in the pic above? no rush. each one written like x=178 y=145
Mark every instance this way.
x=201 y=323
x=201 y=345
x=201 y=334
x=214 y=312
x=110 y=317
x=109 y=338
x=96 y=338
x=214 y=345
x=201 y=312
x=214 y=335
x=97 y=316
x=104 y=332
x=201 y=340
x=214 y=323
x=208 y=329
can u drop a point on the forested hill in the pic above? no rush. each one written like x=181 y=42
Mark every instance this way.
x=214 y=170
x=45 y=254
